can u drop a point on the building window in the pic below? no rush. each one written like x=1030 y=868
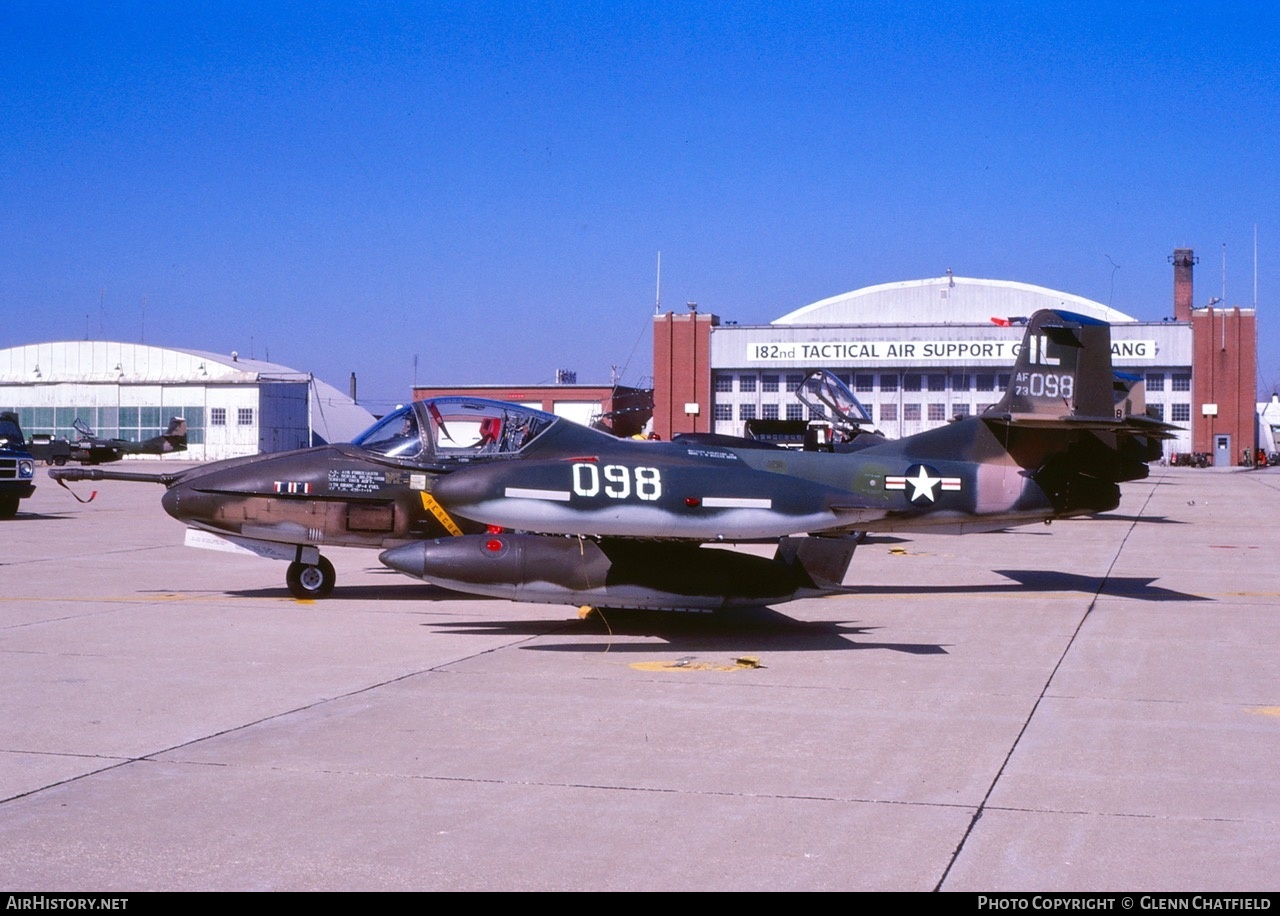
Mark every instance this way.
x=937 y=382
x=888 y=413
x=795 y=411
x=888 y=382
x=986 y=382
x=1156 y=410
x=911 y=381
x=746 y=383
x=1002 y=380
x=746 y=411
x=911 y=412
x=983 y=408
x=723 y=411
x=1180 y=413
x=959 y=410
x=960 y=382
x=724 y=383
x=794 y=382
x=768 y=411
x=1155 y=381
x=864 y=382
x=769 y=383
x=217 y=416
x=937 y=413
x=1181 y=381
x=244 y=416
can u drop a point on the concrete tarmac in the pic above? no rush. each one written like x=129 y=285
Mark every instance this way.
x=1092 y=705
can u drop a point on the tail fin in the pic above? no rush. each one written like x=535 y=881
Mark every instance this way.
x=173 y=440
x=1063 y=371
x=1066 y=420
x=176 y=435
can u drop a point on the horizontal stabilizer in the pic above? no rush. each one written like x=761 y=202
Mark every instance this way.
x=1134 y=426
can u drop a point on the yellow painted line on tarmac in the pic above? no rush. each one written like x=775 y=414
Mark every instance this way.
x=100 y=599
x=1266 y=711
x=127 y=599
x=740 y=664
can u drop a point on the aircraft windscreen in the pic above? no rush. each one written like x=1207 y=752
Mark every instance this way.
x=396 y=435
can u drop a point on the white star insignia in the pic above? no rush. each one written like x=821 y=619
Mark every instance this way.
x=923 y=485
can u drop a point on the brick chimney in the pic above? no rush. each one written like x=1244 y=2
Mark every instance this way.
x=1183 y=260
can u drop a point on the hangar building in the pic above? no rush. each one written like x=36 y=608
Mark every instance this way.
x=919 y=353
x=233 y=406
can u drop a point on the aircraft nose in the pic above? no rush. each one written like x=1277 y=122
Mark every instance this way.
x=185 y=503
x=171 y=501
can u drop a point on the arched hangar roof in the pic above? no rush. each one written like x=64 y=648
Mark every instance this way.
x=335 y=417
x=944 y=300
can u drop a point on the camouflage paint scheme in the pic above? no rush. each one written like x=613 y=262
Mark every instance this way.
x=87 y=448
x=501 y=500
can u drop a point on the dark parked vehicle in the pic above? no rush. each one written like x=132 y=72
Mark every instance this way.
x=17 y=467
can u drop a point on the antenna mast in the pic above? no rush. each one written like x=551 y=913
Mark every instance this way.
x=657 y=293
x=1224 y=274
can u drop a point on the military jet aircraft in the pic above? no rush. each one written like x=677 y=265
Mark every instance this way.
x=501 y=500
x=88 y=448
x=373 y=492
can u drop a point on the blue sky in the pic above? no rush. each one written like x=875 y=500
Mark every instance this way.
x=485 y=186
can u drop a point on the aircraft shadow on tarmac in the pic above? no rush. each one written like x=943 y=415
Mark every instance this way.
x=761 y=628
x=765 y=628
x=1144 y=519
x=757 y=629
x=397 y=589
x=39 y=517
x=1046 y=580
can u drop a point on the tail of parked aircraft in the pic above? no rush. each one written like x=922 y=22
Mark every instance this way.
x=173 y=440
x=1068 y=418
x=1063 y=371
x=176 y=435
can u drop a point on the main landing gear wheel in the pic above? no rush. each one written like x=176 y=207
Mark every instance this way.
x=307 y=581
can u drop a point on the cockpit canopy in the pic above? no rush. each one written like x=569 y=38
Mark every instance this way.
x=440 y=429
x=827 y=396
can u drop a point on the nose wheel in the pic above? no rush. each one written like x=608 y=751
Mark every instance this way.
x=311 y=581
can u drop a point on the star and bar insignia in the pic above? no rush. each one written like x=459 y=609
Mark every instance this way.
x=924 y=483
